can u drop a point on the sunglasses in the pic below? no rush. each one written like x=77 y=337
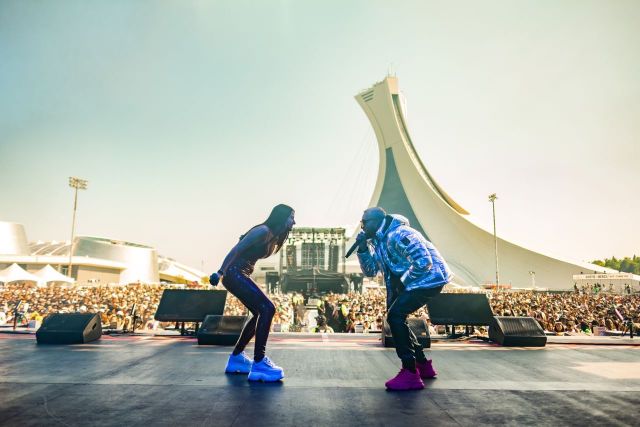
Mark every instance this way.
x=364 y=221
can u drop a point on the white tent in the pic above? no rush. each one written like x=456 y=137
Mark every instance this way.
x=49 y=274
x=15 y=273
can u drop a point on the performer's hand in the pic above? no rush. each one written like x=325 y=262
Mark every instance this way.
x=361 y=238
x=215 y=278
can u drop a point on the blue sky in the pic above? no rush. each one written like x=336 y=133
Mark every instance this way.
x=192 y=119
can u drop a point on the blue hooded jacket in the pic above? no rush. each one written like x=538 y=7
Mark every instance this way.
x=402 y=251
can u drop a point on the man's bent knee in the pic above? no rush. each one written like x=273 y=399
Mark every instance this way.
x=396 y=319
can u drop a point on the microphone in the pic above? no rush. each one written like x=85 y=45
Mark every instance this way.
x=353 y=247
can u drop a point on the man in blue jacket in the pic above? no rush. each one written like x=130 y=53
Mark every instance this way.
x=413 y=272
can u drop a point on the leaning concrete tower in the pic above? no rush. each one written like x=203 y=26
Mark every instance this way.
x=405 y=186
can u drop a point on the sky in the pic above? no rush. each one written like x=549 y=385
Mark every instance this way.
x=192 y=119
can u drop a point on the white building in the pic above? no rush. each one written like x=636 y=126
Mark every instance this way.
x=95 y=259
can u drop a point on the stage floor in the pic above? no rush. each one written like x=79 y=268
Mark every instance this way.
x=330 y=380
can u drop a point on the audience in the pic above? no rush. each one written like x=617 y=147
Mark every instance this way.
x=563 y=313
x=569 y=312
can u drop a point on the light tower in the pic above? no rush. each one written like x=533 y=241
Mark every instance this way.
x=492 y=199
x=76 y=184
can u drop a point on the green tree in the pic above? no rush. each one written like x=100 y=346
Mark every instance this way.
x=626 y=265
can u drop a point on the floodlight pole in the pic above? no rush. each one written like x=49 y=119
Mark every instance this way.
x=344 y=251
x=76 y=184
x=492 y=199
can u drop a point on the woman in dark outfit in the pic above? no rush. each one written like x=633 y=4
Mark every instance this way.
x=261 y=241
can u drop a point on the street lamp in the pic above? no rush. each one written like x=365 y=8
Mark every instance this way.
x=76 y=184
x=492 y=199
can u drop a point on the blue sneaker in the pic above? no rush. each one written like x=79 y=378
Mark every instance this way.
x=239 y=364
x=265 y=370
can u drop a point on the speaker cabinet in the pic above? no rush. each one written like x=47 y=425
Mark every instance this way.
x=221 y=330
x=517 y=332
x=69 y=328
x=418 y=327
x=185 y=305
x=460 y=309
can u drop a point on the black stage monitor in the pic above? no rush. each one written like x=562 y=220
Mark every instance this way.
x=221 y=330
x=69 y=328
x=517 y=332
x=180 y=305
x=460 y=309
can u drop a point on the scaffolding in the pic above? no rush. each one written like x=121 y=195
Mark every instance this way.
x=313 y=259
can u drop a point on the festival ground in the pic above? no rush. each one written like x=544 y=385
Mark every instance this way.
x=330 y=380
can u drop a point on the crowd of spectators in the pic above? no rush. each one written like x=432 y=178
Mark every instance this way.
x=575 y=312
x=355 y=312
x=570 y=312
x=114 y=303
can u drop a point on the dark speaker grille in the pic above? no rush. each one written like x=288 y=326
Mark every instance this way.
x=221 y=330
x=67 y=322
x=517 y=331
x=460 y=309
x=520 y=326
x=223 y=324
x=178 y=305
x=69 y=328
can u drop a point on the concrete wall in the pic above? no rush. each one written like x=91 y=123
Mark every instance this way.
x=102 y=275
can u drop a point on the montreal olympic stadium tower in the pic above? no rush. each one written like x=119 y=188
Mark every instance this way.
x=405 y=186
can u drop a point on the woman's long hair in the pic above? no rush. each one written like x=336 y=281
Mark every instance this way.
x=277 y=223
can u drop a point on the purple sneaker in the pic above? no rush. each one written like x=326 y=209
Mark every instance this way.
x=426 y=370
x=405 y=380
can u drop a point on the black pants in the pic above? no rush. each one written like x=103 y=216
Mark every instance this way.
x=238 y=282
x=407 y=346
